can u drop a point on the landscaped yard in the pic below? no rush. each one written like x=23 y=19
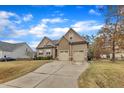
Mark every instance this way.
x=12 y=70
x=103 y=74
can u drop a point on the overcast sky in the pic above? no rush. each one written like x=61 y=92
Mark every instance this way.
x=31 y=23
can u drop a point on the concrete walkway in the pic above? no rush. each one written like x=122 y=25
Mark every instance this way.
x=57 y=74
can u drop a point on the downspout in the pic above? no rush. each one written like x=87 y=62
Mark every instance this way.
x=52 y=53
x=70 y=52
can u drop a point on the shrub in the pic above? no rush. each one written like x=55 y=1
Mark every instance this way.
x=44 y=58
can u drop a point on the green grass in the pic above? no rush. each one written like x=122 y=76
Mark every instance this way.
x=103 y=74
x=12 y=70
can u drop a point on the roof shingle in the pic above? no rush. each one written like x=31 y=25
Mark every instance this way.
x=4 y=46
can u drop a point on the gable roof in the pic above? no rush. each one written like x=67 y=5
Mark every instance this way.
x=4 y=46
x=42 y=41
x=82 y=38
x=54 y=42
x=63 y=37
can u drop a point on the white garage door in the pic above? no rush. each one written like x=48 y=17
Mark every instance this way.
x=78 y=55
x=63 y=55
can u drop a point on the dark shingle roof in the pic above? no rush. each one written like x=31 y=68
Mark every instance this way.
x=4 y=46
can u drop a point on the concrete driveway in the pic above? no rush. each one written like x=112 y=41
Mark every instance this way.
x=58 y=74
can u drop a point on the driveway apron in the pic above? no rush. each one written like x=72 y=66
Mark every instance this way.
x=57 y=74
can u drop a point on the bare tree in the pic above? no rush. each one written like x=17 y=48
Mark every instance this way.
x=114 y=17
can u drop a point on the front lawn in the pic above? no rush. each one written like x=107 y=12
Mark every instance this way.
x=103 y=74
x=11 y=70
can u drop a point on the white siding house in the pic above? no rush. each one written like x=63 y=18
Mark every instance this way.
x=17 y=51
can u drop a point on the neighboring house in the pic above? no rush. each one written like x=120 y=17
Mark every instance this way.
x=71 y=47
x=17 y=50
x=119 y=53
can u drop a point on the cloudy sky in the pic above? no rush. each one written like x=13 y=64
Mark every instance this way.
x=31 y=23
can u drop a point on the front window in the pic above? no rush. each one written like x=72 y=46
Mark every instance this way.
x=40 y=52
x=48 y=51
